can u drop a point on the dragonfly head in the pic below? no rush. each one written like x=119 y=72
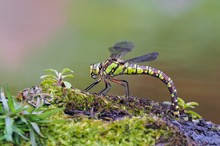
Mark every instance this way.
x=95 y=70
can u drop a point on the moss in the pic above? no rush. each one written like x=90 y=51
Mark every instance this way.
x=145 y=130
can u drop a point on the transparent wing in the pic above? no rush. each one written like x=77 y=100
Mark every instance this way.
x=144 y=58
x=120 y=49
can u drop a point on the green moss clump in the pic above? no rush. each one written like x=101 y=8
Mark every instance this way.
x=128 y=131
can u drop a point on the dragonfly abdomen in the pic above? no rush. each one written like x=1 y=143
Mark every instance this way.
x=137 y=69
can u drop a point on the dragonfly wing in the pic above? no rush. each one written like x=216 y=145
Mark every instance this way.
x=144 y=58
x=120 y=49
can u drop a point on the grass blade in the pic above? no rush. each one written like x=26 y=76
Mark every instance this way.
x=8 y=128
x=4 y=102
x=36 y=128
x=10 y=101
x=20 y=132
x=46 y=113
x=32 y=137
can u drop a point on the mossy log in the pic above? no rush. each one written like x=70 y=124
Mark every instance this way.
x=90 y=119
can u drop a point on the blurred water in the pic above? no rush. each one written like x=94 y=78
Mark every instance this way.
x=185 y=33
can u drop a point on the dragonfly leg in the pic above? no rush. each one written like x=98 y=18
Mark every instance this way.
x=124 y=83
x=107 y=88
x=93 y=84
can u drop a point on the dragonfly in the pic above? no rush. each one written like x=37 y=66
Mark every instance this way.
x=115 y=66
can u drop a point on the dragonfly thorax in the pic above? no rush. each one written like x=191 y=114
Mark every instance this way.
x=95 y=70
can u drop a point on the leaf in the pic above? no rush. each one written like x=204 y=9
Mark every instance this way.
x=24 y=120
x=32 y=137
x=68 y=76
x=2 y=121
x=8 y=128
x=188 y=106
x=20 y=132
x=192 y=104
x=1 y=109
x=194 y=114
x=49 y=113
x=181 y=101
x=36 y=128
x=4 y=102
x=67 y=84
x=53 y=71
x=2 y=116
x=10 y=101
x=20 y=109
x=45 y=115
x=2 y=138
x=49 y=76
x=65 y=70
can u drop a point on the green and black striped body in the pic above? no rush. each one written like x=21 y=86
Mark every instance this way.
x=114 y=68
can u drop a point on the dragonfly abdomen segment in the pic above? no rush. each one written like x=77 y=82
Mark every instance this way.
x=137 y=69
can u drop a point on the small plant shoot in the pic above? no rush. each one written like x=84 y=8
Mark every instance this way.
x=185 y=108
x=55 y=78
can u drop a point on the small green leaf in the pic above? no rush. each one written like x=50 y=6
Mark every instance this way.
x=45 y=115
x=2 y=138
x=32 y=137
x=188 y=106
x=193 y=114
x=50 y=70
x=65 y=70
x=9 y=128
x=67 y=84
x=1 y=108
x=4 y=102
x=192 y=104
x=68 y=76
x=181 y=101
x=24 y=120
x=10 y=101
x=20 y=109
x=49 y=76
x=53 y=71
x=2 y=122
x=19 y=132
x=36 y=128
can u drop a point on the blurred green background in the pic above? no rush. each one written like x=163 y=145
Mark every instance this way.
x=38 y=35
